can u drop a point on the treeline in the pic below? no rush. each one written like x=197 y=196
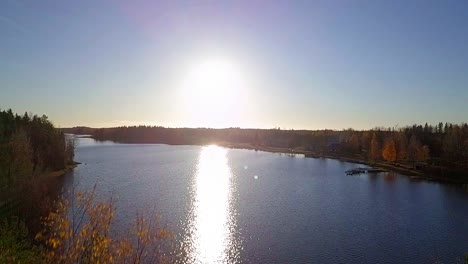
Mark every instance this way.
x=441 y=148
x=29 y=146
x=444 y=144
x=189 y=136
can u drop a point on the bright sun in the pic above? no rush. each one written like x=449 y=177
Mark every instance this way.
x=214 y=93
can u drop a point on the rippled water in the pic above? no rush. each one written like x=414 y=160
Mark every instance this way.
x=242 y=206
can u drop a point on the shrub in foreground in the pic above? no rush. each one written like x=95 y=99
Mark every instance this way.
x=78 y=230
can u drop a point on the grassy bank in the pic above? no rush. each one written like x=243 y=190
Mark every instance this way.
x=60 y=173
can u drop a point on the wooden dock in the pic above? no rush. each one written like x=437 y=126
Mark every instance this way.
x=357 y=171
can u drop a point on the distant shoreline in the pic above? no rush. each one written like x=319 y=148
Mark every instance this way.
x=396 y=167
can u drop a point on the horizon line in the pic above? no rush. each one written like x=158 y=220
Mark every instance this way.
x=382 y=128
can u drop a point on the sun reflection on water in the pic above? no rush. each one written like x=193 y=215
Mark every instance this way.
x=211 y=238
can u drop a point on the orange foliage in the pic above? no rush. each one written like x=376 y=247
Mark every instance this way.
x=389 y=152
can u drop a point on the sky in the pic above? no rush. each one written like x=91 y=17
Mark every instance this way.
x=289 y=64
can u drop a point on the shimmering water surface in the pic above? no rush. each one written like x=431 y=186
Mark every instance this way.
x=243 y=206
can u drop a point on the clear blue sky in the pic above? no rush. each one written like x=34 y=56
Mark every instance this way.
x=305 y=64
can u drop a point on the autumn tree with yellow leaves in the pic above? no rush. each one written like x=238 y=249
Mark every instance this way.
x=78 y=230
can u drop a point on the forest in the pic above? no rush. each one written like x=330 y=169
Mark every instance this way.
x=30 y=146
x=439 y=150
x=32 y=150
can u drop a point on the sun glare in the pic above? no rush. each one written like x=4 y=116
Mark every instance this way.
x=213 y=93
x=211 y=239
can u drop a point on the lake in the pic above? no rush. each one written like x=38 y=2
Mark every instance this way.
x=245 y=206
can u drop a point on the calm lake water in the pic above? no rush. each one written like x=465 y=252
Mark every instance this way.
x=243 y=206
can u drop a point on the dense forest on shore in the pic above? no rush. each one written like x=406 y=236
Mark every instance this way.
x=29 y=147
x=439 y=150
x=31 y=151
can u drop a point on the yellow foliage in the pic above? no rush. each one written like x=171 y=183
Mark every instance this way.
x=81 y=234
